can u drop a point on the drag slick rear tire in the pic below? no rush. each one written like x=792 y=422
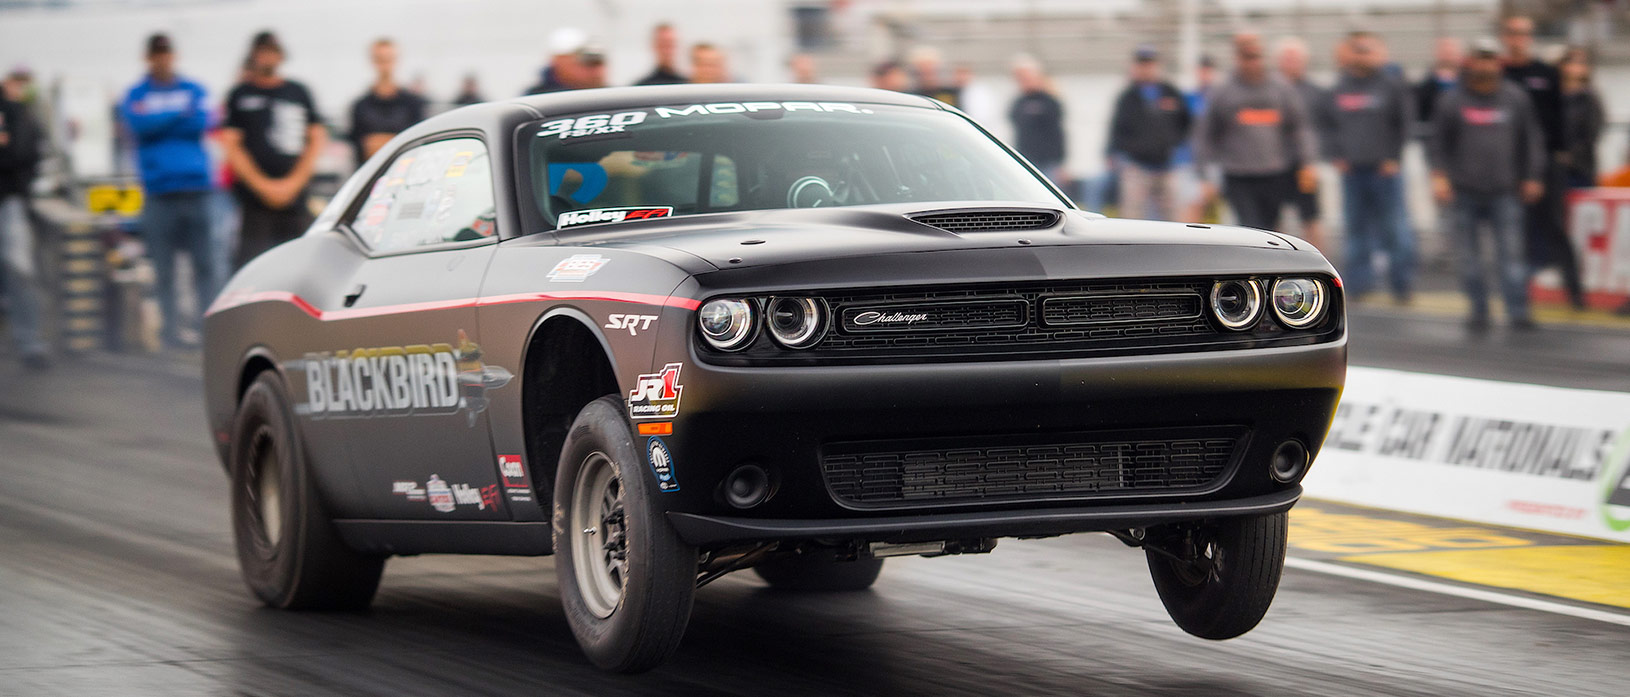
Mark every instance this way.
x=289 y=553
x=626 y=578
x=816 y=572
x=1230 y=576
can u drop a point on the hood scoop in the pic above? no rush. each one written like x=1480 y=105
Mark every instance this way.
x=988 y=219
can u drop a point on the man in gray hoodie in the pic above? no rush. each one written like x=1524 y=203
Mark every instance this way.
x=1368 y=116
x=1488 y=157
x=1256 y=130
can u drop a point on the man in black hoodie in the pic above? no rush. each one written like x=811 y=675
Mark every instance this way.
x=19 y=159
x=1151 y=120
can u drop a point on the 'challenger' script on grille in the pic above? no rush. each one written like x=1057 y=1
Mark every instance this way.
x=869 y=318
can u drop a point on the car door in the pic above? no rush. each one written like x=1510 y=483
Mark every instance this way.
x=410 y=382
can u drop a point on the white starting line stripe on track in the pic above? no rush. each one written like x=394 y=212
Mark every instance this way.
x=1457 y=591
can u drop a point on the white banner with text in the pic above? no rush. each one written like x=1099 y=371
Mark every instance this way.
x=1528 y=456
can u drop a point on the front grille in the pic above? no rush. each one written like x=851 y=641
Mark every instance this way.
x=1112 y=308
x=989 y=220
x=1024 y=320
x=934 y=472
x=1071 y=316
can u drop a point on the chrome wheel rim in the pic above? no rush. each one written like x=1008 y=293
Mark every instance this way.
x=267 y=488
x=599 y=537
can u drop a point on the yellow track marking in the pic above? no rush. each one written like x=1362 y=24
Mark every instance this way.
x=1316 y=530
x=1589 y=573
x=1453 y=304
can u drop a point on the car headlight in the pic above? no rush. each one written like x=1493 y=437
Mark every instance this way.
x=1237 y=303
x=795 y=322
x=726 y=323
x=1298 y=302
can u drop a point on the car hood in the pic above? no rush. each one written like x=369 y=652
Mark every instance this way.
x=771 y=237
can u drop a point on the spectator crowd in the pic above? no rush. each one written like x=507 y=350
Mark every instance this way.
x=1507 y=136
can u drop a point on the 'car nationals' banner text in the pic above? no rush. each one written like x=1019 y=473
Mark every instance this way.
x=1528 y=456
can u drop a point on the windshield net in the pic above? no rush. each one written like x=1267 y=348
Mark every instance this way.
x=732 y=156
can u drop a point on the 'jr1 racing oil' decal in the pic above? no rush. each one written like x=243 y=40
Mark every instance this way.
x=656 y=395
x=400 y=381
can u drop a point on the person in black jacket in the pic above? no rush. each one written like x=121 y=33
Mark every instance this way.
x=386 y=109
x=1038 y=119
x=1583 y=117
x=1548 y=243
x=19 y=160
x=1448 y=57
x=1151 y=120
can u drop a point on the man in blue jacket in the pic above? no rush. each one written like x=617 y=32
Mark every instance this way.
x=168 y=115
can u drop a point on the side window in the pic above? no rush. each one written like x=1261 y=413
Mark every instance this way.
x=431 y=194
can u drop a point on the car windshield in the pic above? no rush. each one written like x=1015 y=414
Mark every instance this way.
x=733 y=156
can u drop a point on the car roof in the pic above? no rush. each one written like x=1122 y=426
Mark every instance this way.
x=575 y=101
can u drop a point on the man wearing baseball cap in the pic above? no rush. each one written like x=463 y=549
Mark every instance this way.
x=1151 y=119
x=575 y=63
x=168 y=114
x=1487 y=149
x=272 y=138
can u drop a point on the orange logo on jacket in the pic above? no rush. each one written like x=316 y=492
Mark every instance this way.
x=1257 y=117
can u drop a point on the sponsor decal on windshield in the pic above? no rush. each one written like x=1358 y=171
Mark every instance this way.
x=422 y=379
x=606 y=124
x=612 y=215
x=656 y=395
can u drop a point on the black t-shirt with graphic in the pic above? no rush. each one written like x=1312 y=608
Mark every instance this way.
x=273 y=121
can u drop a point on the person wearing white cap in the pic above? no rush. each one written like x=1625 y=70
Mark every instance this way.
x=576 y=62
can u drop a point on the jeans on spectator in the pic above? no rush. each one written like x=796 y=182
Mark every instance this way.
x=21 y=275
x=179 y=223
x=1148 y=192
x=1257 y=199
x=1373 y=205
x=1503 y=214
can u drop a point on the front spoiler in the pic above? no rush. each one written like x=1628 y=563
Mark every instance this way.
x=702 y=531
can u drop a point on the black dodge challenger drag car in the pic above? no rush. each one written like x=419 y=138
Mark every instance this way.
x=669 y=333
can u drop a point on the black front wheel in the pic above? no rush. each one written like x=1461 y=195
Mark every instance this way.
x=288 y=550
x=1218 y=578
x=626 y=578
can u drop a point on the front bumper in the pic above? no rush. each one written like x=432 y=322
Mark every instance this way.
x=707 y=530
x=784 y=418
